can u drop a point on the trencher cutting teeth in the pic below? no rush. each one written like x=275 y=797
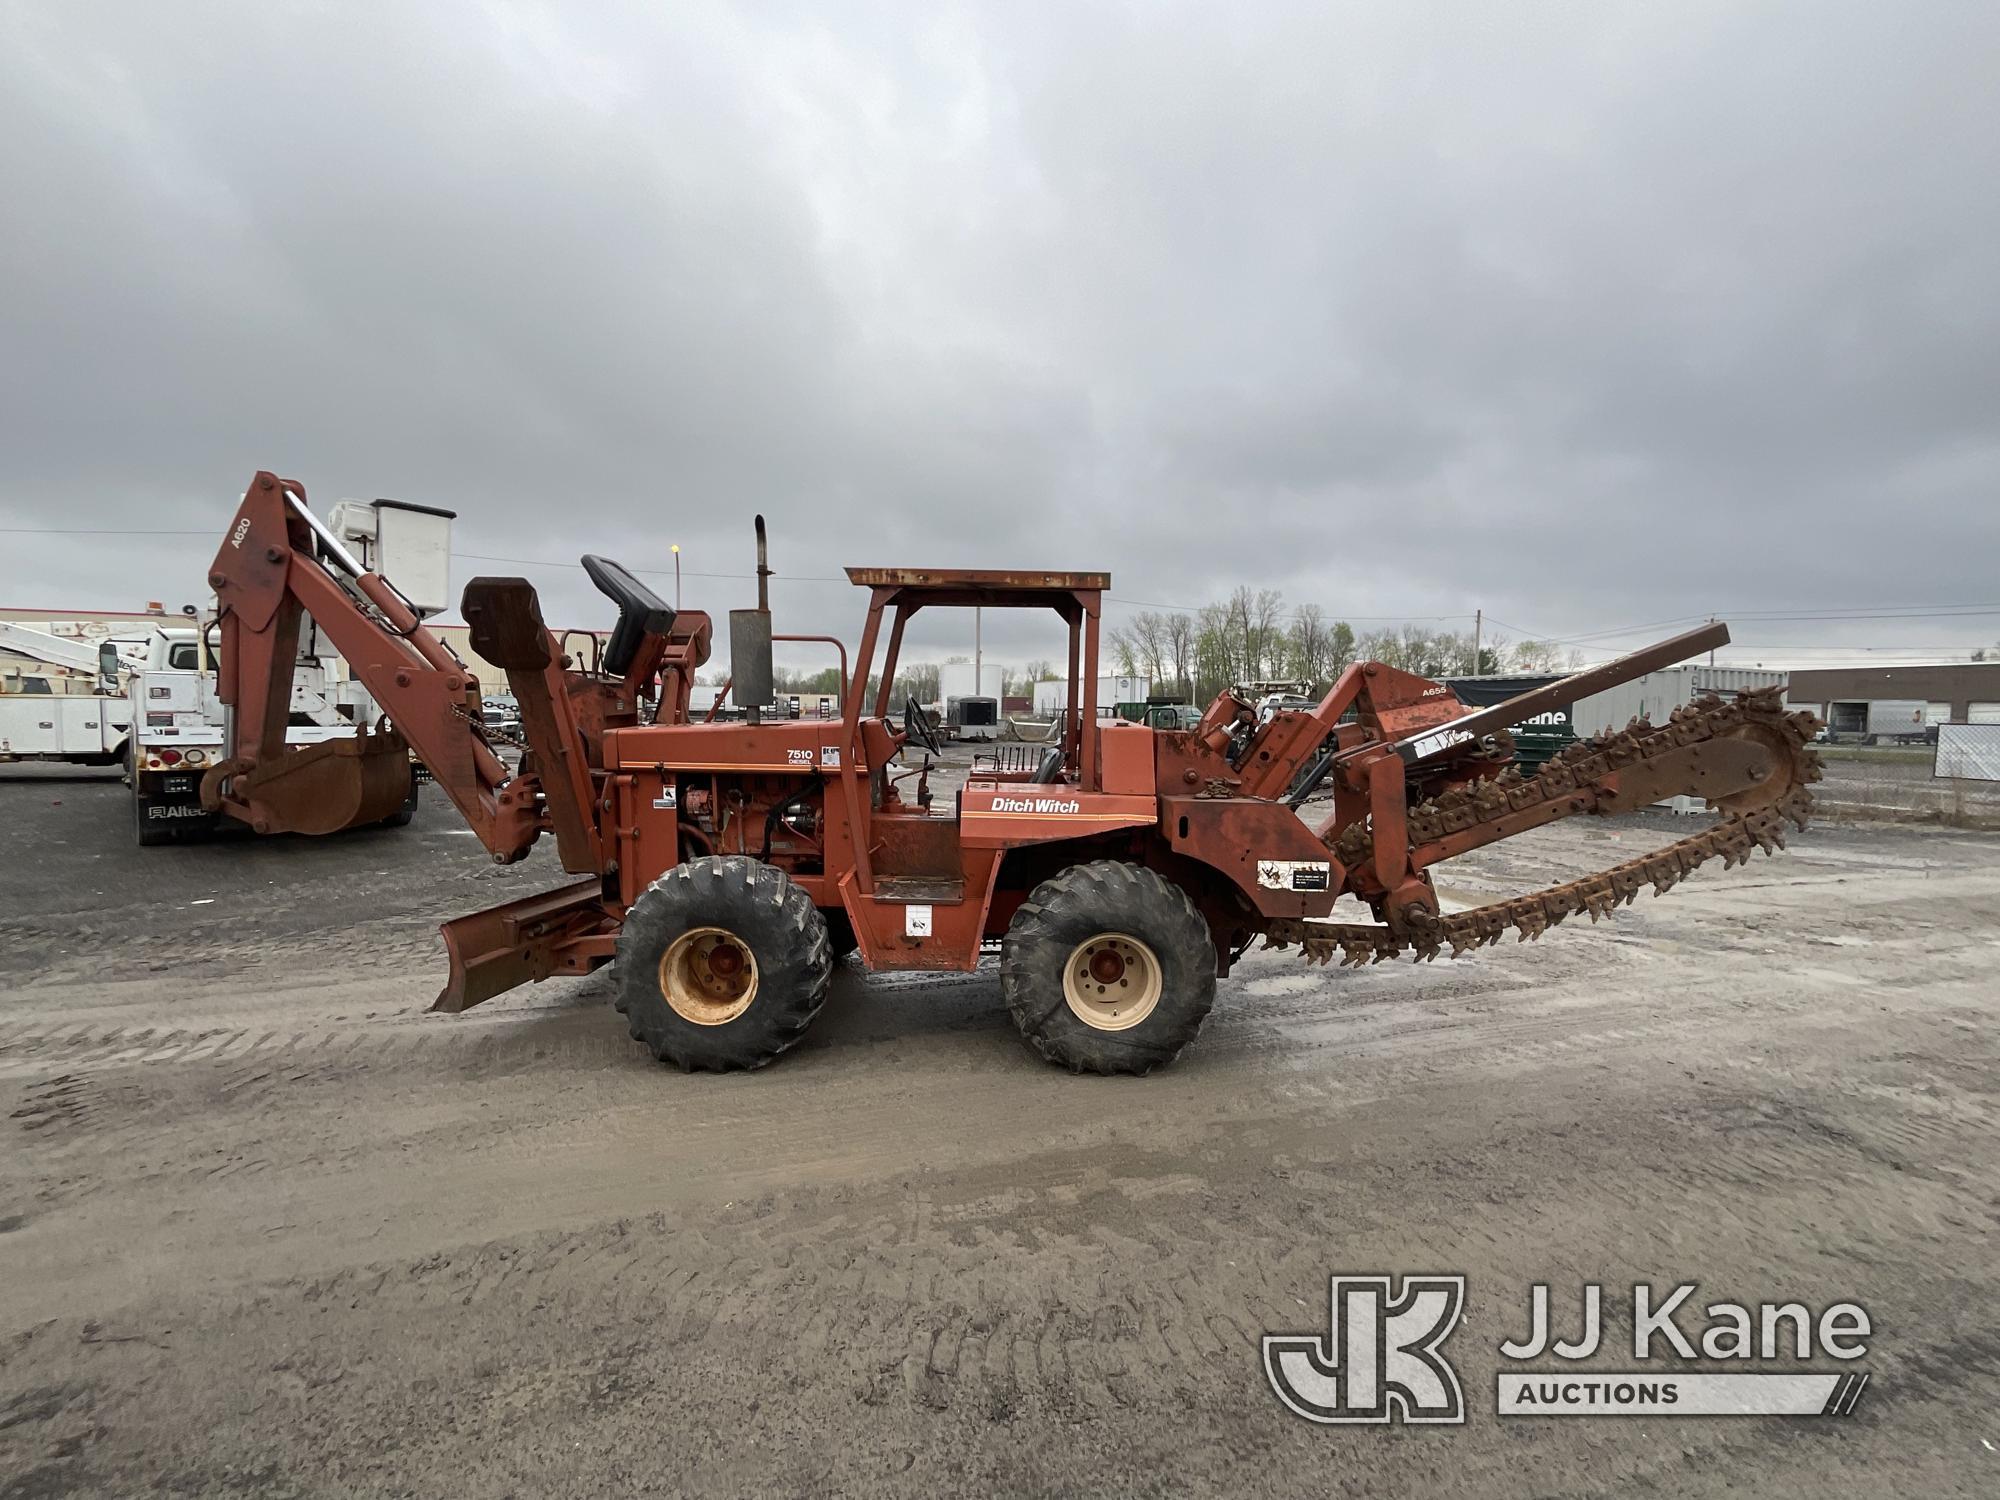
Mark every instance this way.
x=1731 y=838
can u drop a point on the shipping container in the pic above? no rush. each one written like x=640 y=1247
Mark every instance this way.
x=1657 y=694
x=1652 y=697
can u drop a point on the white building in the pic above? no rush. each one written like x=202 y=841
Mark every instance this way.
x=1052 y=697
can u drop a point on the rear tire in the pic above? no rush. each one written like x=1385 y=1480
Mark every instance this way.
x=151 y=834
x=1108 y=968
x=723 y=963
x=403 y=815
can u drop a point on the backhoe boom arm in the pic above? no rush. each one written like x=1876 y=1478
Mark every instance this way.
x=278 y=563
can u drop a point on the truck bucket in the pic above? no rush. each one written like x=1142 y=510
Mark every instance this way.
x=524 y=942
x=325 y=788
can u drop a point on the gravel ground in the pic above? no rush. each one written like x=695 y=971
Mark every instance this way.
x=269 y=1228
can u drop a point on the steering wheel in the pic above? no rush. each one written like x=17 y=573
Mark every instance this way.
x=917 y=726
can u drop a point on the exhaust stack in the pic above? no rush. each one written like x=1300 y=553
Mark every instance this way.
x=750 y=668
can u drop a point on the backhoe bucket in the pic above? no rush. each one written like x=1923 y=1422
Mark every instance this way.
x=328 y=787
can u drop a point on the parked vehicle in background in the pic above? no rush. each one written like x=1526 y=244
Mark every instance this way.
x=972 y=718
x=1880 y=721
x=67 y=700
x=502 y=715
x=1160 y=712
x=181 y=728
x=1051 y=698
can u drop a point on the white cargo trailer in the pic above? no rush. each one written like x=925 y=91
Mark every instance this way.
x=1879 y=721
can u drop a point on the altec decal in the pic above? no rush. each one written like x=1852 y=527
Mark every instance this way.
x=1036 y=805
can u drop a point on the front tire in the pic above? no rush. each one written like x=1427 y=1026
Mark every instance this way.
x=150 y=834
x=402 y=816
x=1108 y=968
x=723 y=963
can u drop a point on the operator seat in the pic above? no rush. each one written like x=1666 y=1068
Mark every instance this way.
x=641 y=612
x=1049 y=772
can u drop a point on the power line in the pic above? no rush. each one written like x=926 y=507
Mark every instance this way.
x=1773 y=617
x=1294 y=610
x=1593 y=639
x=98 y=531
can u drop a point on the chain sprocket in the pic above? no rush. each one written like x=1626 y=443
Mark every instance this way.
x=1750 y=820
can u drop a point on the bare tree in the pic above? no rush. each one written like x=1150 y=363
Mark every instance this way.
x=1267 y=634
x=1340 y=652
x=1415 y=649
x=1214 y=652
x=1141 y=644
x=1308 y=645
x=1124 y=644
x=1545 y=656
x=1152 y=629
x=1180 y=649
x=918 y=680
x=1238 y=612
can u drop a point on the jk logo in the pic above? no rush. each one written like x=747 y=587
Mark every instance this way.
x=1378 y=1360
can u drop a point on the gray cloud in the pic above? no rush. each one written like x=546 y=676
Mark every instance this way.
x=1586 y=316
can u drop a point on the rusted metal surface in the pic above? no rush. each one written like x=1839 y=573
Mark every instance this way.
x=505 y=617
x=992 y=586
x=1579 y=685
x=318 y=789
x=266 y=576
x=523 y=942
x=1749 y=756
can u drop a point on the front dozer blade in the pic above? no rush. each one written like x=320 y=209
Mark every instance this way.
x=522 y=942
x=328 y=787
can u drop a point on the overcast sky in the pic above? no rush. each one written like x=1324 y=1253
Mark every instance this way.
x=1589 y=315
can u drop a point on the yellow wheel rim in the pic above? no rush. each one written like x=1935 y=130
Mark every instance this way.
x=708 y=976
x=1112 y=981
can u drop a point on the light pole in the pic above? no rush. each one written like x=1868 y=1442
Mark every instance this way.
x=677 y=576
